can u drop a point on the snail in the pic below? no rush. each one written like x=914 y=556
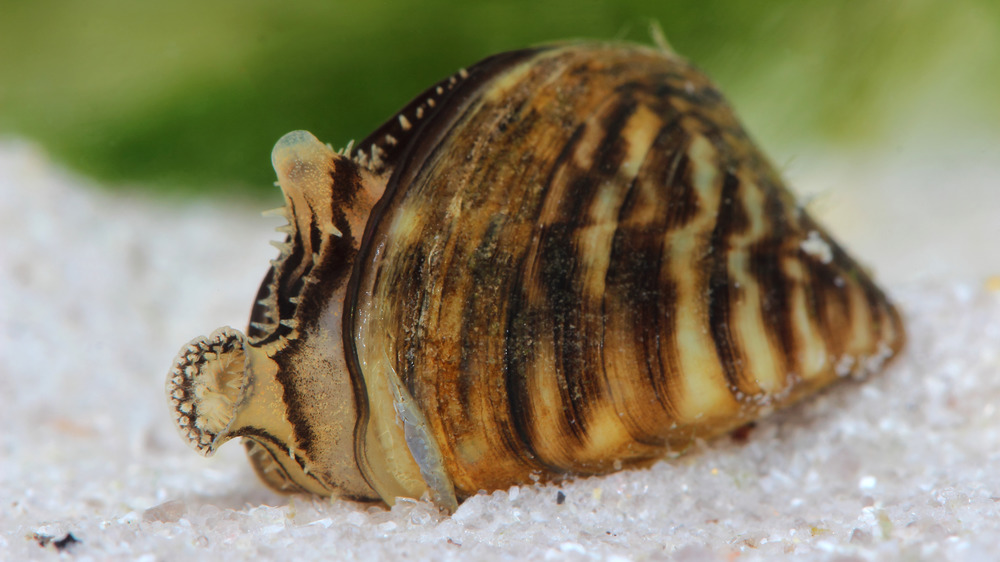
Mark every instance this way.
x=562 y=261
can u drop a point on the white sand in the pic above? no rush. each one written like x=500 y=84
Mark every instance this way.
x=97 y=293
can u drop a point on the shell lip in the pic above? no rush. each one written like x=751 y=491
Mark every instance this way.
x=207 y=383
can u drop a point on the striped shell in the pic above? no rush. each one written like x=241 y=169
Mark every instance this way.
x=563 y=261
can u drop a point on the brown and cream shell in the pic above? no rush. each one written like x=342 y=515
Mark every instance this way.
x=562 y=261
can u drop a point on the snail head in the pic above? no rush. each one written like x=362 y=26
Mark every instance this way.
x=262 y=384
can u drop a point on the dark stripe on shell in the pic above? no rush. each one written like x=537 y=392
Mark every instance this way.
x=560 y=273
x=775 y=287
x=638 y=275
x=521 y=322
x=829 y=304
x=730 y=220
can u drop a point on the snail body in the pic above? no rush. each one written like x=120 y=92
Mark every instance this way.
x=564 y=260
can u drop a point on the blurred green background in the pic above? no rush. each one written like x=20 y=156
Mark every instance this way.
x=188 y=97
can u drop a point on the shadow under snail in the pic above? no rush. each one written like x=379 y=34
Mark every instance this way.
x=564 y=260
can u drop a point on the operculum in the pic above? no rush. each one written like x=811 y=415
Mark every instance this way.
x=220 y=387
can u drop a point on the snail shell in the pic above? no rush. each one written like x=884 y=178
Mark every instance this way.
x=563 y=261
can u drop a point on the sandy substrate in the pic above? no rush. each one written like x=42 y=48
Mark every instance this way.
x=98 y=292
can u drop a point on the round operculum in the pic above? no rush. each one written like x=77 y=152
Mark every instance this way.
x=205 y=387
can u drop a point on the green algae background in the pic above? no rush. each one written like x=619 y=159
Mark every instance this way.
x=188 y=97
